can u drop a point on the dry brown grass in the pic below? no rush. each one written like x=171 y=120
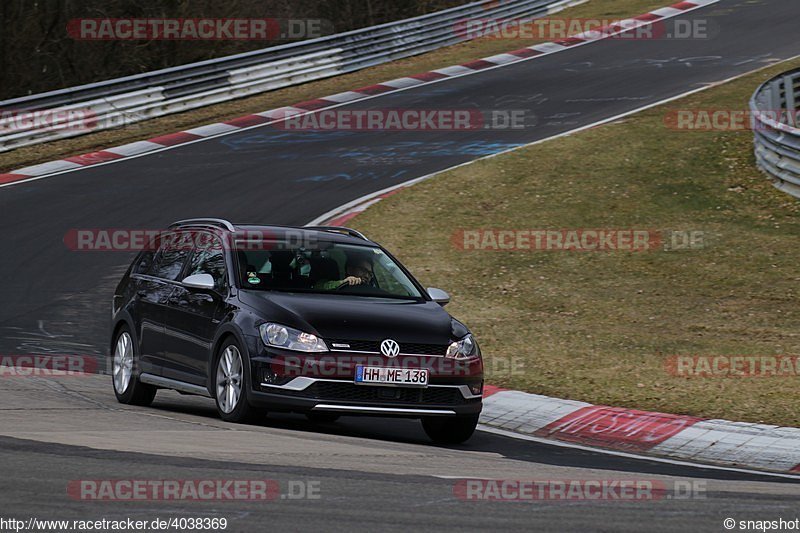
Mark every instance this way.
x=597 y=326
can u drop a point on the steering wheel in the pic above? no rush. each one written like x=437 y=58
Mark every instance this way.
x=345 y=284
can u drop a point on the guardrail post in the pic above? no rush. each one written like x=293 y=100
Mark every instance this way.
x=776 y=136
x=788 y=88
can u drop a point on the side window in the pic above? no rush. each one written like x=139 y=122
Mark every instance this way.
x=143 y=262
x=210 y=259
x=386 y=277
x=169 y=260
x=145 y=259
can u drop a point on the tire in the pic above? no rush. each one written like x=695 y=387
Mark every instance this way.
x=231 y=375
x=322 y=418
x=127 y=387
x=450 y=430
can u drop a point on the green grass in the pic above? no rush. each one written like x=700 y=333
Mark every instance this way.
x=599 y=326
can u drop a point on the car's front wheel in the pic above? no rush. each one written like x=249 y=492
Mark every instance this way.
x=450 y=430
x=230 y=384
x=127 y=387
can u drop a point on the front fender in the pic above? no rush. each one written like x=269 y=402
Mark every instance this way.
x=227 y=329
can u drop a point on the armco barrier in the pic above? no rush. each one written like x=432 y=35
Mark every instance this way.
x=777 y=137
x=132 y=99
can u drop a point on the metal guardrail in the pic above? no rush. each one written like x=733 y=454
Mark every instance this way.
x=777 y=136
x=131 y=99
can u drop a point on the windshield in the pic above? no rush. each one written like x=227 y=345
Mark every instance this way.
x=327 y=267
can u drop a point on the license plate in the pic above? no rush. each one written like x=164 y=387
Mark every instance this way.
x=376 y=375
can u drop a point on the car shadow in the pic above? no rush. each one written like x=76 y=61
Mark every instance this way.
x=409 y=431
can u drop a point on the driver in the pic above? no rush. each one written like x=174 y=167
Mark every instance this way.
x=358 y=271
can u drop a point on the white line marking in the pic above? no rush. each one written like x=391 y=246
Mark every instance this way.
x=400 y=83
x=628 y=455
x=212 y=129
x=501 y=59
x=549 y=48
x=667 y=12
x=279 y=114
x=59 y=165
x=454 y=71
x=133 y=149
x=344 y=97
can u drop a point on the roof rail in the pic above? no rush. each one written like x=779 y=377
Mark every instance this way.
x=340 y=229
x=221 y=223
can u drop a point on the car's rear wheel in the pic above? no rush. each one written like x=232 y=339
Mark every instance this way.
x=127 y=387
x=450 y=430
x=230 y=384
x=322 y=418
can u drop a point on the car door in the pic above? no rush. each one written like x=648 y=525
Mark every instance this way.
x=193 y=315
x=145 y=310
x=154 y=278
x=155 y=283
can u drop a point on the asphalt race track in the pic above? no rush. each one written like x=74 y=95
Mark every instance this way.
x=369 y=474
x=372 y=473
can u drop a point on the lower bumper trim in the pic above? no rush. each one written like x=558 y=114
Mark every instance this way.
x=379 y=410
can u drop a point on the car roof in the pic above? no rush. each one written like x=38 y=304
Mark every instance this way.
x=337 y=234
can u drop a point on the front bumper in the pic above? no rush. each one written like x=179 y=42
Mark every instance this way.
x=282 y=402
x=286 y=381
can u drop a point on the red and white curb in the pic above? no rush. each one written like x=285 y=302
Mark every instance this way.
x=164 y=142
x=687 y=438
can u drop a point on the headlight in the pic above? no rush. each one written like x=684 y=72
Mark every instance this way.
x=466 y=348
x=290 y=338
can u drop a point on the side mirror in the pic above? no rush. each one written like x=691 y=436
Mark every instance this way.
x=199 y=281
x=439 y=296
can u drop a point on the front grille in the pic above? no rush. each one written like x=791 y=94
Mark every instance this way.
x=358 y=346
x=413 y=348
x=350 y=392
x=423 y=349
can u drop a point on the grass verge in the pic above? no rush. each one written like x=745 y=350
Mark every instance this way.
x=601 y=326
x=453 y=55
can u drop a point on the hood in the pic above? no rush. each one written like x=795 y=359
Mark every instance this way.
x=354 y=317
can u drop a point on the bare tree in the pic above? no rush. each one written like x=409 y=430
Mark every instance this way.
x=37 y=53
